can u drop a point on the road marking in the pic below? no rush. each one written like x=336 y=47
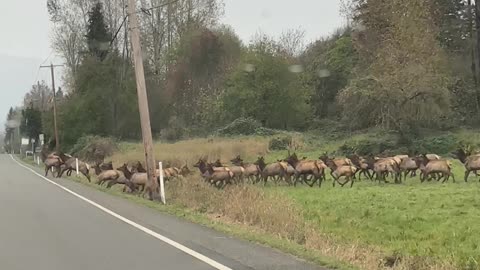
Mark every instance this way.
x=160 y=237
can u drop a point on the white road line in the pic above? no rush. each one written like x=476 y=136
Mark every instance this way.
x=160 y=237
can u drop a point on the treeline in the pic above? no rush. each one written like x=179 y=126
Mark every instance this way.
x=399 y=65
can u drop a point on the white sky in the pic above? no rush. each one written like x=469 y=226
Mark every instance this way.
x=25 y=35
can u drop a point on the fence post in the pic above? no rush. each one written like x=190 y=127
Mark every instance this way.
x=162 y=186
x=76 y=165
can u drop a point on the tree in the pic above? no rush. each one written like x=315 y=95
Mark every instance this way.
x=98 y=35
x=406 y=85
x=329 y=64
x=39 y=97
x=263 y=88
x=31 y=124
x=200 y=64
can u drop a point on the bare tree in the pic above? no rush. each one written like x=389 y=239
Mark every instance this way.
x=292 y=41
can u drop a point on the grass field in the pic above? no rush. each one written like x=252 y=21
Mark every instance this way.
x=426 y=220
x=415 y=225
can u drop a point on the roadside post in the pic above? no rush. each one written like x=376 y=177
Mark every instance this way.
x=162 y=185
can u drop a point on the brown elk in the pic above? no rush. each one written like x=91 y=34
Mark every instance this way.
x=304 y=168
x=347 y=171
x=275 y=170
x=52 y=161
x=384 y=166
x=70 y=165
x=430 y=168
x=363 y=166
x=409 y=166
x=138 y=180
x=252 y=171
x=238 y=171
x=335 y=162
x=216 y=177
x=106 y=173
x=471 y=162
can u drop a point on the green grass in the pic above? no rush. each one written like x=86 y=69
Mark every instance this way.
x=427 y=220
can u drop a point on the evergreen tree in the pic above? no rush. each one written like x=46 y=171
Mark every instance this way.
x=98 y=36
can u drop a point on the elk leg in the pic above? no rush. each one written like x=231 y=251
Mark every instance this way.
x=46 y=170
x=87 y=176
x=61 y=172
x=315 y=178
x=351 y=182
x=310 y=184
x=467 y=173
x=112 y=183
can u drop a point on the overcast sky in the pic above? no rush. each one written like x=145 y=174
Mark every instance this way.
x=25 y=35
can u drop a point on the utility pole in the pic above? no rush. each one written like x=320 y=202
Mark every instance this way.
x=52 y=69
x=152 y=186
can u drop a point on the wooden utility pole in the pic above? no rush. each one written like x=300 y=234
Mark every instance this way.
x=152 y=186
x=52 y=70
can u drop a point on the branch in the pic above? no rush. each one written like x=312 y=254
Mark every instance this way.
x=414 y=96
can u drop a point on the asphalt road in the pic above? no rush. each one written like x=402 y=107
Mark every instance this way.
x=45 y=227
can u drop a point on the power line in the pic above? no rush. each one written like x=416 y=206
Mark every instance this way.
x=144 y=10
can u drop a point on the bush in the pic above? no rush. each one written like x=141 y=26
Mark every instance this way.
x=245 y=126
x=241 y=126
x=438 y=145
x=175 y=131
x=280 y=143
x=94 y=148
x=366 y=147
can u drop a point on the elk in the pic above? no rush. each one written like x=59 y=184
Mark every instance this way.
x=347 y=171
x=382 y=167
x=52 y=161
x=306 y=167
x=252 y=171
x=215 y=177
x=137 y=179
x=277 y=169
x=363 y=166
x=335 y=162
x=471 y=162
x=409 y=166
x=107 y=174
x=432 y=167
x=238 y=171
x=70 y=165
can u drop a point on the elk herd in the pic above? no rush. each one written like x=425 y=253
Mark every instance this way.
x=291 y=170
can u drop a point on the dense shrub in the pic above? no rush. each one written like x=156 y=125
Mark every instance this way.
x=245 y=126
x=280 y=143
x=94 y=148
x=366 y=147
x=175 y=131
x=240 y=126
x=438 y=145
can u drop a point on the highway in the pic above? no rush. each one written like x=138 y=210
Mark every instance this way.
x=60 y=224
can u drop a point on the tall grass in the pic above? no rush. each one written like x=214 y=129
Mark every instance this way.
x=247 y=205
x=177 y=154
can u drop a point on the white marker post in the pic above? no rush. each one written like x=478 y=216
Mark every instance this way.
x=38 y=160
x=162 y=186
x=76 y=165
